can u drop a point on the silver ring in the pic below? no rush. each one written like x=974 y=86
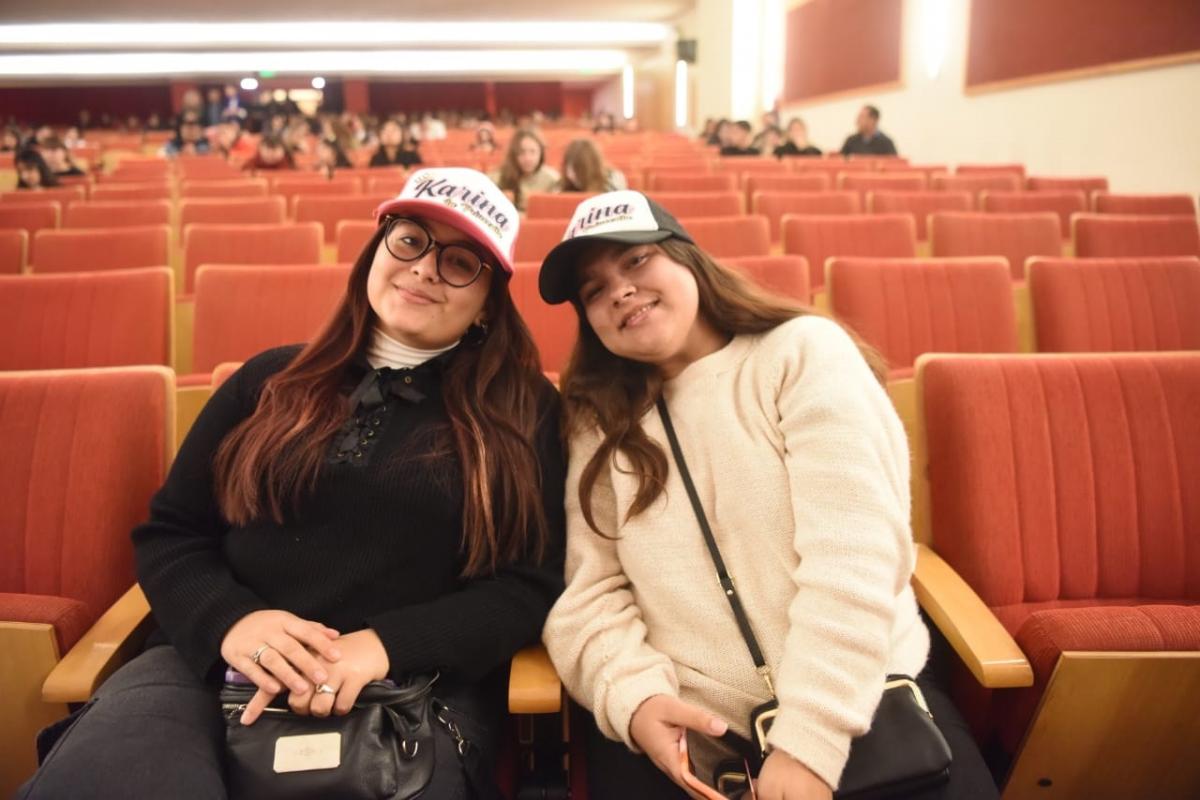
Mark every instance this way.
x=259 y=652
x=325 y=688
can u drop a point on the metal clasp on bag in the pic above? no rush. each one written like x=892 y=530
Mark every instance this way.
x=918 y=695
x=455 y=733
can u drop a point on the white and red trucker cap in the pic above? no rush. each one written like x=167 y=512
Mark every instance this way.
x=464 y=198
x=625 y=217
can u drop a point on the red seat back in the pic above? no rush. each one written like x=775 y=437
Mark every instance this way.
x=783 y=275
x=1117 y=236
x=332 y=209
x=232 y=210
x=700 y=204
x=774 y=205
x=288 y=243
x=14 y=251
x=726 y=237
x=919 y=204
x=1103 y=304
x=1013 y=236
x=87 y=249
x=1064 y=204
x=117 y=213
x=1169 y=204
x=819 y=238
x=554 y=328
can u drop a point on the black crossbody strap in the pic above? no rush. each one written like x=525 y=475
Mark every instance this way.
x=735 y=602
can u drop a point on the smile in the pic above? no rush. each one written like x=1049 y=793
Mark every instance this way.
x=413 y=296
x=637 y=315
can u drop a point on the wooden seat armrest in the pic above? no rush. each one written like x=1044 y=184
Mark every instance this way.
x=968 y=624
x=110 y=642
x=533 y=685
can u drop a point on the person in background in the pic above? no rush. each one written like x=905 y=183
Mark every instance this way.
x=584 y=170
x=767 y=142
x=42 y=133
x=154 y=122
x=329 y=156
x=739 y=140
x=485 y=139
x=58 y=158
x=605 y=123
x=432 y=128
x=213 y=107
x=32 y=170
x=272 y=154
x=74 y=137
x=770 y=119
x=708 y=135
x=797 y=141
x=869 y=140
x=189 y=138
x=722 y=134
x=397 y=148
x=231 y=142
x=10 y=140
x=296 y=135
x=524 y=170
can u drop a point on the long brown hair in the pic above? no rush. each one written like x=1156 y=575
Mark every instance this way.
x=510 y=170
x=583 y=158
x=270 y=461
x=613 y=393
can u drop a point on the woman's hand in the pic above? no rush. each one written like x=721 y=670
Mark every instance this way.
x=659 y=724
x=287 y=644
x=363 y=660
x=785 y=778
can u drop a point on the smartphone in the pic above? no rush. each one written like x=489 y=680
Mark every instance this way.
x=695 y=784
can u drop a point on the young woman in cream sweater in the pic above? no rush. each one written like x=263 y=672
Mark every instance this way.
x=801 y=466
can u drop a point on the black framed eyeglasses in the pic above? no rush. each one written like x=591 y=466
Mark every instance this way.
x=408 y=240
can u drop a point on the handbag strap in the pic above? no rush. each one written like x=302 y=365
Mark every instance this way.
x=727 y=585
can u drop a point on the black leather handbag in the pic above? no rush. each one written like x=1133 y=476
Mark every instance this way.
x=384 y=749
x=902 y=752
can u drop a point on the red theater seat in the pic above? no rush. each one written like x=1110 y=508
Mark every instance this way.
x=537 y=237
x=725 y=237
x=819 y=238
x=86 y=319
x=88 y=249
x=919 y=204
x=1116 y=236
x=676 y=182
x=232 y=211
x=241 y=187
x=131 y=191
x=991 y=169
x=906 y=307
x=1111 y=304
x=289 y=243
x=1016 y=237
x=352 y=237
x=1063 y=203
x=985 y=182
x=554 y=206
x=554 y=328
x=14 y=251
x=117 y=213
x=1087 y=185
x=700 y=204
x=863 y=182
x=784 y=275
x=1154 y=204
x=330 y=210
x=241 y=311
x=29 y=217
x=774 y=205
x=63 y=195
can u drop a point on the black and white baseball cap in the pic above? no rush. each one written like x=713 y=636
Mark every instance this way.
x=624 y=217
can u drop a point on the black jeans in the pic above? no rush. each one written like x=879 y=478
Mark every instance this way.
x=154 y=730
x=615 y=773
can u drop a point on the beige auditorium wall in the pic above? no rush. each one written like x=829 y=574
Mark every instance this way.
x=1139 y=128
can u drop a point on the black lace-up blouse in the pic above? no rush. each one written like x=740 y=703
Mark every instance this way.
x=376 y=544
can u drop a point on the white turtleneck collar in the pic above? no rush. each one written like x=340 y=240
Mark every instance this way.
x=384 y=351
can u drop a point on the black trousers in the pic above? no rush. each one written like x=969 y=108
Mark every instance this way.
x=615 y=773
x=154 y=730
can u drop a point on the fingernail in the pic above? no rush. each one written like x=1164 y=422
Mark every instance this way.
x=718 y=726
x=245 y=718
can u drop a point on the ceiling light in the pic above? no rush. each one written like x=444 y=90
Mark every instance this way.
x=367 y=62
x=249 y=84
x=318 y=82
x=330 y=34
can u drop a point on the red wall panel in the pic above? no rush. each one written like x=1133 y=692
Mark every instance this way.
x=60 y=105
x=839 y=45
x=1014 y=39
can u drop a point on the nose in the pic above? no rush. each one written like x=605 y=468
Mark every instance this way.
x=621 y=291
x=425 y=267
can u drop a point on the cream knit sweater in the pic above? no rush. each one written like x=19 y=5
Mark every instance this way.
x=802 y=466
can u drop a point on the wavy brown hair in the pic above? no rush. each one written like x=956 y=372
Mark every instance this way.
x=269 y=462
x=613 y=393
x=586 y=164
x=510 y=171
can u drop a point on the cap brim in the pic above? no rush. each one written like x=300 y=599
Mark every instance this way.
x=556 y=280
x=439 y=212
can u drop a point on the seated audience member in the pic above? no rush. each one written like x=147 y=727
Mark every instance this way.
x=32 y=170
x=720 y=133
x=709 y=132
x=328 y=157
x=10 y=141
x=58 y=158
x=767 y=142
x=384 y=502
x=397 y=148
x=189 y=139
x=524 y=170
x=74 y=137
x=485 y=139
x=739 y=140
x=584 y=170
x=605 y=123
x=231 y=142
x=869 y=140
x=797 y=143
x=272 y=154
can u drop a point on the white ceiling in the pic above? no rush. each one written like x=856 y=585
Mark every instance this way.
x=222 y=10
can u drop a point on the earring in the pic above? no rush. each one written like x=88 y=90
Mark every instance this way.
x=476 y=334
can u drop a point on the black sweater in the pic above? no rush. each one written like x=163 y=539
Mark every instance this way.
x=376 y=544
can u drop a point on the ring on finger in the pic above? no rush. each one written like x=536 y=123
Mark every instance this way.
x=325 y=688
x=258 y=654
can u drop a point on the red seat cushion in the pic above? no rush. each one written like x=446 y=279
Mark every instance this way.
x=70 y=618
x=1047 y=634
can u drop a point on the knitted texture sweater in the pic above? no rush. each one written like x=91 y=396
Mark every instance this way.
x=802 y=467
x=377 y=543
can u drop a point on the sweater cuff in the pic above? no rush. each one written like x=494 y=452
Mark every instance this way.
x=627 y=695
x=823 y=751
x=411 y=639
